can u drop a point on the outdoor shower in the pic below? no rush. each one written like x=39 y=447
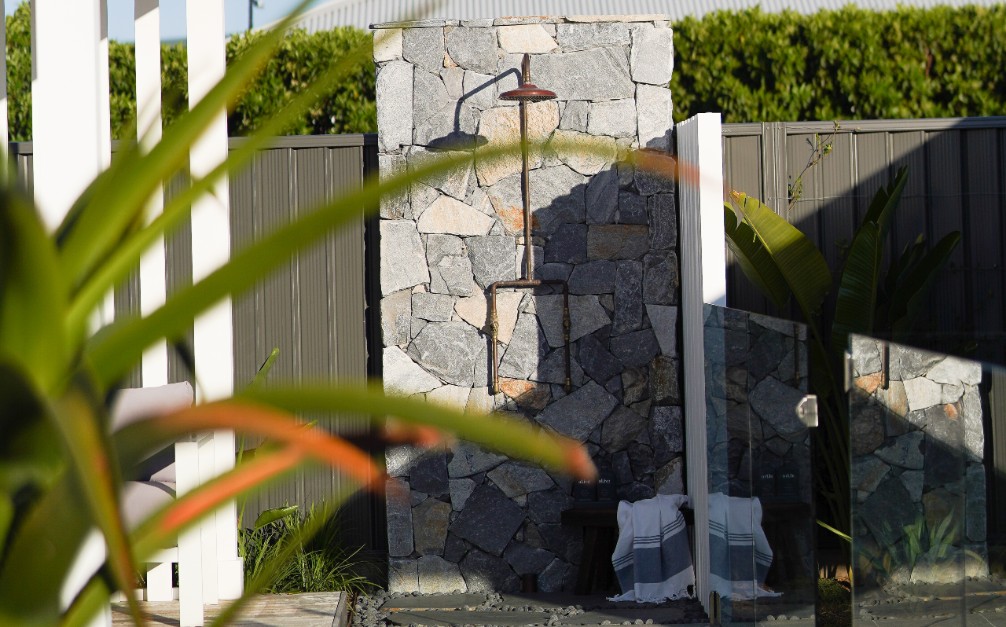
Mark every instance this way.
x=525 y=93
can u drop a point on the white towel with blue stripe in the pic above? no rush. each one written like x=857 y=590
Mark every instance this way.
x=652 y=559
x=739 y=552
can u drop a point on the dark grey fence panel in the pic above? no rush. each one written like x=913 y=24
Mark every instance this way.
x=314 y=309
x=957 y=181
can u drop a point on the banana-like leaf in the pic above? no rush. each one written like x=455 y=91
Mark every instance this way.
x=910 y=255
x=271 y=515
x=856 y=301
x=801 y=265
x=907 y=300
x=755 y=261
x=103 y=214
x=33 y=297
x=884 y=202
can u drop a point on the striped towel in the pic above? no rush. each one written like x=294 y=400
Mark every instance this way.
x=652 y=559
x=739 y=553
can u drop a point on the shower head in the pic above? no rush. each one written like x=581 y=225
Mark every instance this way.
x=528 y=91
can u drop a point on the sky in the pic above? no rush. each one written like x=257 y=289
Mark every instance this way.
x=120 y=16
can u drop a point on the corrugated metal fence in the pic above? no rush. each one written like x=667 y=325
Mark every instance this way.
x=314 y=310
x=957 y=181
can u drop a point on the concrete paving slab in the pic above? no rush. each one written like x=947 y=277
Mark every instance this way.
x=461 y=617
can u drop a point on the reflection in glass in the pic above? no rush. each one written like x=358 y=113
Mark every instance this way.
x=760 y=479
x=924 y=429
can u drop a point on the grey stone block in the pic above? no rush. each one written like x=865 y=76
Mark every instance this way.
x=574 y=116
x=601 y=197
x=404 y=376
x=653 y=117
x=489 y=520
x=661 y=282
x=628 y=297
x=557 y=197
x=403 y=262
x=574 y=75
x=618 y=241
x=394 y=105
x=622 y=427
x=438 y=576
x=526 y=560
x=580 y=36
x=516 y=479
x=593 y=277
x=652 y=55
x=631 y=208
x=424 y=47
x=403 y=575
x=663 y=221
x=567 y=245
x=399 y=513
x=492 y=258
x=614 y=118
x=635 y=348
x=664 y=321
x=667 y=434
x=430 y=521
x=394 y=206
x=470 y=459
x=396 y=313
x=486 y=573
x=448 y=350
x=473 y=49
x=526 y=350
x=432 y=307
x=578 y=414
x=429 y=474
x=595 y=359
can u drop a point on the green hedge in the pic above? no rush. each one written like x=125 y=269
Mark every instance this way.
x=750 y=65
x=847 y=64
x=348 y=108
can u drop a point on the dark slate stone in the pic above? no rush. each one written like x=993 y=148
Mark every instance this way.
x=631 y=208
x=578 y=414
x=597 y=362
x=563 y=540
x=552 y=369
x=767 y=351
x=429 y=475
x=888 y=511
x=635 y=385
x=559 y=576
x=430 y=519
x=526 y=560
x=628 y=296
x=660 y=278
x=622 y=426
x=595 y=277
x=567 y=245
x=665 y=381
x=641 y=459
x=489 y=519
x=454 y=548
x=614 y=387
x=557 y=197
x=553 y=271
x=775 y=402
x=526 y=351
x=636 y=348
x=547 y=506
x=636 y=491
x=667 y=434
x=663 y=221
x=485 y=573
x=601 y=197
x=944 y=463
x=622 y=468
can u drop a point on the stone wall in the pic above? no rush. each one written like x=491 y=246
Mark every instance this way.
x=476 y=520
x=917 y=449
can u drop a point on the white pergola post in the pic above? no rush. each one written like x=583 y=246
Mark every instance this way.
x=213 y=331
x=71 y=134
x=153 y=282
x=703 y=280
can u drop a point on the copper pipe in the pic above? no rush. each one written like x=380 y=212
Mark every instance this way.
x=525 y=93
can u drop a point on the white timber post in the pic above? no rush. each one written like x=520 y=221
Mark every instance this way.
x=213 y=331
x=153 y=282
x=71 y=133
x=703 y=280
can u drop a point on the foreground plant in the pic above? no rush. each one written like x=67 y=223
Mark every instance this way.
x=61 y=470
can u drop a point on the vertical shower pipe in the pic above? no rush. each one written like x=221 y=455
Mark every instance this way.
x=525 y=93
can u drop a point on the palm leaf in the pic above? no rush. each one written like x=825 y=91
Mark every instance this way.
x=885 y=201
x=801 y=265
x=907 y=300
x=755 y=261
x=856 y=301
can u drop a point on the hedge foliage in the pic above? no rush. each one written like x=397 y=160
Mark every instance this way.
x=750 y=65
x=846 y=64
x=348 y=108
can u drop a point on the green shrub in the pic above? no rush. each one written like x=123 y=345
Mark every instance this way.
x=847 y=64
x=300 y=60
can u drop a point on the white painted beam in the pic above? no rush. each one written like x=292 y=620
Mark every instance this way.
x=703 y=280
x=213 y=331
x=153 y=282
